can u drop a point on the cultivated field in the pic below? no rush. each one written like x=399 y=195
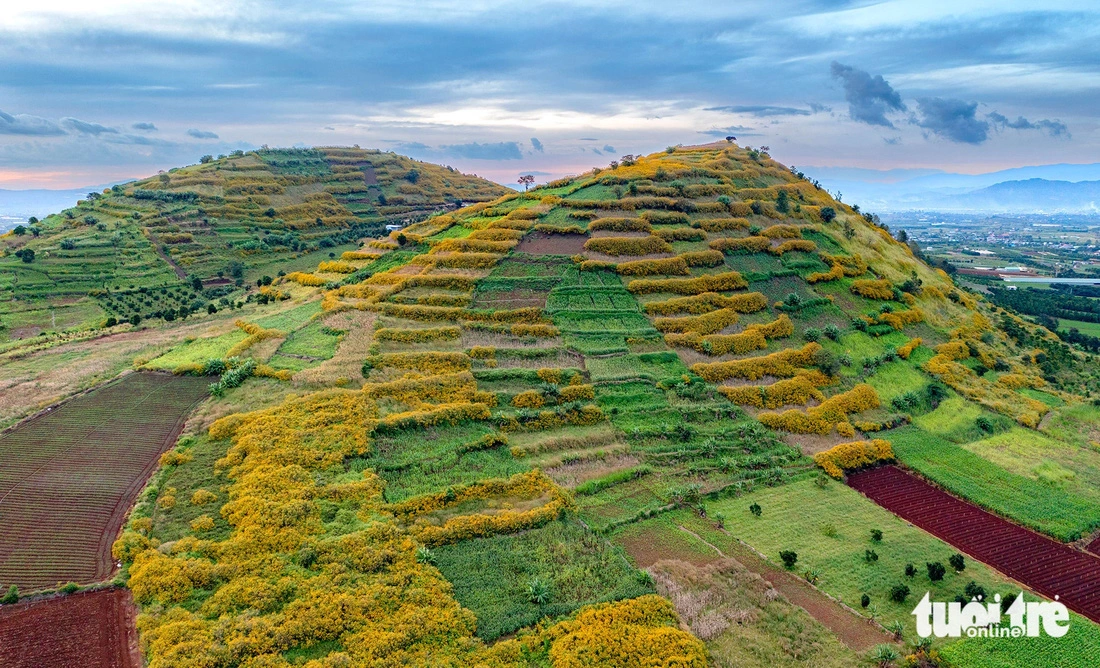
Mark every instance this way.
x=69 y=476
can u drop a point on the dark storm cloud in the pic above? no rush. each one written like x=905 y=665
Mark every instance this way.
x=1052 y=128
x=869 y=97
x=201 y=134
x=952 y=119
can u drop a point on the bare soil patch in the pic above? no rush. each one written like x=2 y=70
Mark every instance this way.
x=540 y=243
x=86 y=630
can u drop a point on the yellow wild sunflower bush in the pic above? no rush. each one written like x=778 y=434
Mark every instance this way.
x=255 y=333
x=907 y=348
x=854 y=455
x=782 y=364
x=707 y=258
x=721 y=224
x=799 y=245
x=650 y=245
x=788 y=392
x=873 y=289
x=418 y=335
x=304 y=278
x=821 y=419
x=336 y=267
x=730 y=280
x=620 y=225
x=749 y=302
x=669 y=266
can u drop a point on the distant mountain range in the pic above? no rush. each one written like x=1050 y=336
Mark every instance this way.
x=1040 y=189
x=25 y=203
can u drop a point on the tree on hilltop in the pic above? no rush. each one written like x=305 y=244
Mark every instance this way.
x=526 y=180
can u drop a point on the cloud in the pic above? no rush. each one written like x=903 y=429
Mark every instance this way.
x=952 y=119
x=761 y=110
x=24 y=124
x=201 y=134
x=608 y=148
x=86 y=128
x=869 y=98
x=817 y=107
x=536 y=144
x=588 y=139
x=505 y=150
x=144 y=127
x=1053 y=128
x=892 y=141
x=733 y=130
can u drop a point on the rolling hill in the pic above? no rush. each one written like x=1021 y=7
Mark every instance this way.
x=224 y=221
x=606 y=422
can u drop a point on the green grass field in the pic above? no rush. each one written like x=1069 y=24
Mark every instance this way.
x=492 y=576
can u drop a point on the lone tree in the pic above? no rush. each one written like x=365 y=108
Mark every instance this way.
x=526 y=180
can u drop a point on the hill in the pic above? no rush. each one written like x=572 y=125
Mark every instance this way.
x=459 y=444
x=223 y=222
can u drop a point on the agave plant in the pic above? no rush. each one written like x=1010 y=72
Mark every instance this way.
x=538 y=591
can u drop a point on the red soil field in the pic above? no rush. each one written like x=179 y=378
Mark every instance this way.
x=540 y=243
x=89 y=630
x=1045 y=565
x=69 y=476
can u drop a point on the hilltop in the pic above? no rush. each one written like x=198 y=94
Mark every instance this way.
x=202 y=230
x=558 y=428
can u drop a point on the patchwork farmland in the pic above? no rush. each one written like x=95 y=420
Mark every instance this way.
x=70 y=475
x=523 y=431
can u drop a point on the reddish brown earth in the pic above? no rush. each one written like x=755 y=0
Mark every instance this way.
x=540 y=243
x=88 y=630
x=69 y=475
x=1045 y=565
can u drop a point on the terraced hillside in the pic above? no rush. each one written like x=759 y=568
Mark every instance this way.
x=224 y=221
x=461 y=442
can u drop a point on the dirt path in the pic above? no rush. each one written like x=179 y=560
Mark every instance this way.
x=1041 y=563
x=851 y=629
x=164 y=256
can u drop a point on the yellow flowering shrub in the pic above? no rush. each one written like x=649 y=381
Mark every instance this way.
x=707 y=258
x=708 y=323
x=304 y=278
x=669 y=266
x=444 y=388
x=800 y=245
x=528 y=399
x=906 y=349
x=788 y=392
x=782 y=364
x=755 y=244
x=348 y=256
x=449 y=413
x=730 y=280
x=722 y=224
x=201 y=497
x=472 y=245
x=577 y=392
x=268 y=371
x=822 y=418
x=854 y=455
x=335 y=267
x=538 y=330
x=681 y=234
x=202 y=523
x=781 y=232
x=627 y=245
x=430 y=363
x=899 y=319
x=620 y=225
x=638 y=633
x=418 y=335
x=255 y=335
x=873 y=289
x=750 y=302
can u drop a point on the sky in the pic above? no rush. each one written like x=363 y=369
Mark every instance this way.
x=103 y=91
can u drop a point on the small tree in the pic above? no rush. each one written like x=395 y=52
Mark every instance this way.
x=196 y=283
x=11 y=597
x=974 y=590
x=789 y=558
x=526 y=180
x=899 y=592
x=957 y=561
x=910 y=570
x=870 y=556
x=864 y=600
x=755 y=509
x=876 y=535
x=19 y=230
x=828 y=214
x=206 y=158
x=936 y=571
x=783 y=202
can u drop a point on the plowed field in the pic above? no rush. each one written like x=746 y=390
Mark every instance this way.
x=68 y=476
x=91 y=630
x=1046 y=566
